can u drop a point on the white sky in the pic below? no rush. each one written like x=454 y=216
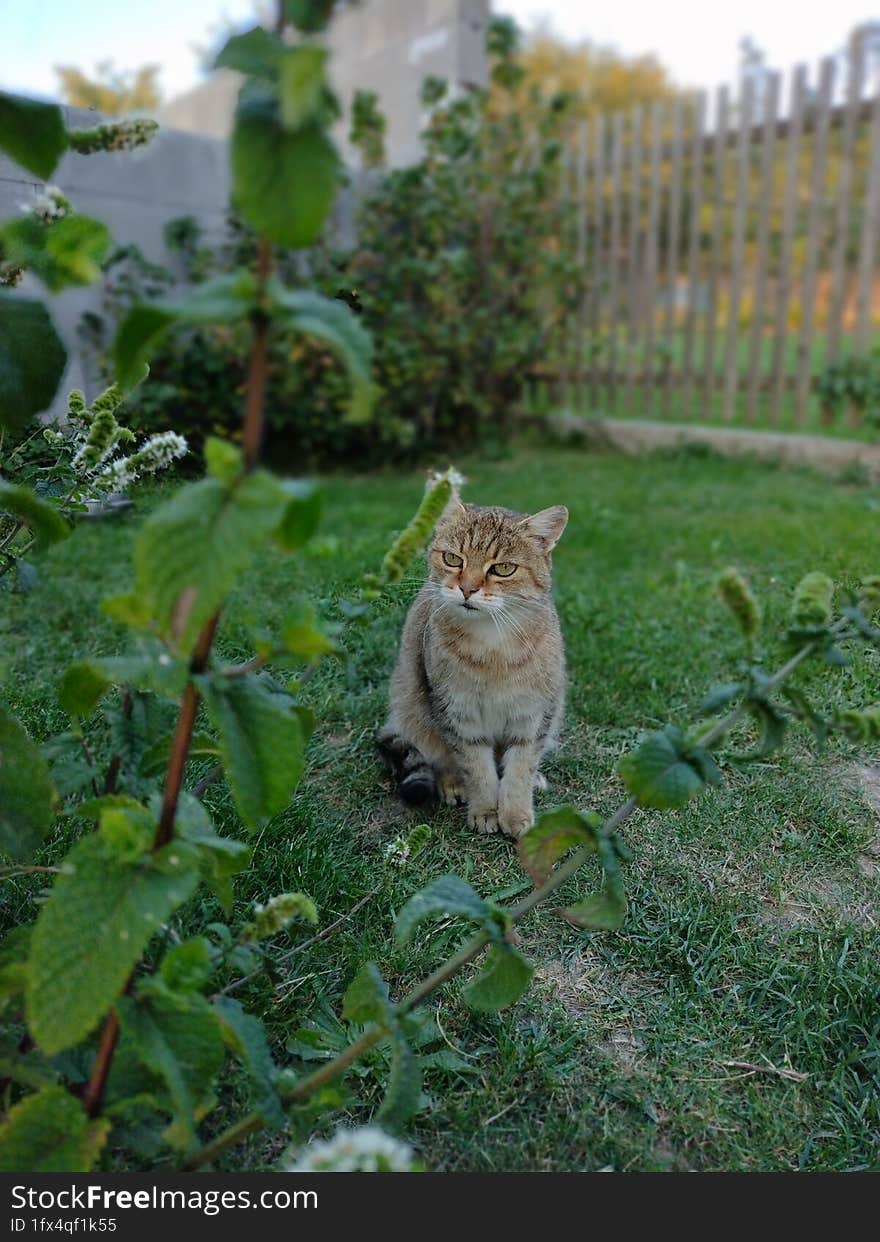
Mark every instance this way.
x=697 y=40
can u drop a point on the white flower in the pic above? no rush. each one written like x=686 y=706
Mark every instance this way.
x=451 y=475
x=366 y=1150
x=397 y=852
x=154 y=454
x=48 y=206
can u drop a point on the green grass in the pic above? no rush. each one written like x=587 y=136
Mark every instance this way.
x=752 y=933
x=651 y=400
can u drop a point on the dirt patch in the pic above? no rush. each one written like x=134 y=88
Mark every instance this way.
x=866 y=779
x=613 y=1003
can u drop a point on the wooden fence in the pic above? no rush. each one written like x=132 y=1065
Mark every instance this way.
x=725 y=250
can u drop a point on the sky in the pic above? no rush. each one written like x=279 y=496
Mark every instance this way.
x=696 y=40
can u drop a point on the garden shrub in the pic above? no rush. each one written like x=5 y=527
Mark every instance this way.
x=459 y=274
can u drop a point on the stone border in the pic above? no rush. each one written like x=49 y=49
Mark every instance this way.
x=633 y=436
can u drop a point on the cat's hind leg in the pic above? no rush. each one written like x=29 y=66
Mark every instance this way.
x=414 y=774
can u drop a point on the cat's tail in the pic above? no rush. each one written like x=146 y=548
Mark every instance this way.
x=415 y=776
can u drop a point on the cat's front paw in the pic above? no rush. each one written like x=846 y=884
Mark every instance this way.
x=515 y=820
x=451 y=790
x=483 y=819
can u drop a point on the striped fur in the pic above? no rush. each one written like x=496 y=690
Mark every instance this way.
x=477 y=692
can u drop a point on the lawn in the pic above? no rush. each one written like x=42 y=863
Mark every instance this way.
x=733 y=1022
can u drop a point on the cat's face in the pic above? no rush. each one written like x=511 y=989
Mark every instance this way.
x=493 y=562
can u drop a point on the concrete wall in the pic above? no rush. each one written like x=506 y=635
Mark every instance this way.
x=134 y=193
x=386 y=46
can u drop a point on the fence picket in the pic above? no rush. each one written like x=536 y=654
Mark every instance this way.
x=633 y=254
x=719 y=152
x=805 y=361
x=615 y=266
x=672 y=252
x=765 y=208
x=849 y=130
x=789 y=210
x=756 y=215
x=649 y=284
x=693 y=268
x=866 y=308
x=598 y=249
x=731 y=340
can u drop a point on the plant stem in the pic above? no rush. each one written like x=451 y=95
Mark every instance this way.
x=252 y=439
x=93 y=1095
x=373 y=1034
x=183 y=735
x=259 y=367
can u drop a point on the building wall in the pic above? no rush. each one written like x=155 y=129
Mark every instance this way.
x=387 y=46
x=134 y=193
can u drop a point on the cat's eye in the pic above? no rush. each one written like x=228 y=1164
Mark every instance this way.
x=453 y=561
x=503 y=569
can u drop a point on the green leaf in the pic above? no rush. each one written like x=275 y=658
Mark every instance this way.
x=82 y=687
x=501 y=982
x=32 y=133
x=803 y=707
x=128 y=609
x=447 y=895
x=32 y=360
x=705 y=764
x=302 y=85
x=49 y=1133
x=223 y=460
x=720 y=696
x=261 y=744
x=85 y=683
x=186 y=967
x=334 y=324
x=61 y=253
x=42 y=518
x=193 y=549
x=773 y=725
x=404 y=1090
x=223 y=299
x=284 y=181
x=254 y=53
x=309 y=15
x=302 y=513
x=178 y=1037
x=303 y=637
x=99 y=918
x=220 y=858
x=606 y=910
x=659 y=772
x=246 y=1036
x=155 y=758
x=26 y=792
x=367 y=999
x=555 y=833
x=14 y=952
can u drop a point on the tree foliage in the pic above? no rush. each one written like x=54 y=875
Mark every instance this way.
x=112 y=91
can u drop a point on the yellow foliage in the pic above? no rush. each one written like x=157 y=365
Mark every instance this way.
x=111 y=91
x=599 y=78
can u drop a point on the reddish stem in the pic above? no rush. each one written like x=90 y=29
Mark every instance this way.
x=94 y=1092
x=252 y=441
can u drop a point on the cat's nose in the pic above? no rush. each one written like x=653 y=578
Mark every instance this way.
x=467 y=590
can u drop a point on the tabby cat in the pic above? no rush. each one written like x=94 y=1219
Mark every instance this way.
x=478 y=689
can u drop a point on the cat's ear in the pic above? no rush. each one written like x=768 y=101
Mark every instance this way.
x=547 y=526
